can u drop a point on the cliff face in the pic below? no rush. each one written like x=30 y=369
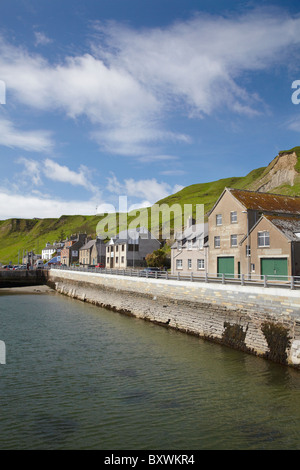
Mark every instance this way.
x=280 y=171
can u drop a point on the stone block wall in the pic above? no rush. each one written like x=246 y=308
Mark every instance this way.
x=257 y=320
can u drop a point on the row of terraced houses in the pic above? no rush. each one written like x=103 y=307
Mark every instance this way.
x=249 y=233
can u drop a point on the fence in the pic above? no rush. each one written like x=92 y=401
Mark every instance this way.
x=287 y=282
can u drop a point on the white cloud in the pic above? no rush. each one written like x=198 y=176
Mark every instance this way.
x=31 y=171
x=41 y=38
x=114 y=102
x=132 y=79
x=62 y=173
x=173 y=172
x=30 y=206
x=200 y=62
x=56 y=172
x=35 y=141
x=293 y=124
x=149 y=191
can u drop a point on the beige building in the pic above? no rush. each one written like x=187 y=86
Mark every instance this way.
x=92 y=253
x=231 y=220
x=129 y=248
x=275 y=247
x=189 y=252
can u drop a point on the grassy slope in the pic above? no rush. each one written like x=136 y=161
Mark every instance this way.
x=18 y=235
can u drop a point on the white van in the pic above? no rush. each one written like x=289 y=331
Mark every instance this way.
x=39 y=264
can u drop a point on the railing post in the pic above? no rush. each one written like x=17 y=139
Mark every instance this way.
x=242 y=280
x=178 y=276
x=223 y=278
x=191 y=277
x=292 y=282
x=206 y=277
x=265 y=280
x=167 y=275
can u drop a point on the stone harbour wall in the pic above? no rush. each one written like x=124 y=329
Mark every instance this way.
x=256 y=320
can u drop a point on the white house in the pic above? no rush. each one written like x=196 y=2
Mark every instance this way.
x=49 y=250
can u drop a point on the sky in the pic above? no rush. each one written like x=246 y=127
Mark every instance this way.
x=140 y=98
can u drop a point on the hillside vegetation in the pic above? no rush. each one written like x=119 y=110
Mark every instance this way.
x=281 y=176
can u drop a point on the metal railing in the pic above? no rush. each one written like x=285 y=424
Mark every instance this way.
x=288 y=282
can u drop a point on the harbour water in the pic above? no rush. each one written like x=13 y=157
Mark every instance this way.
x=80 y=377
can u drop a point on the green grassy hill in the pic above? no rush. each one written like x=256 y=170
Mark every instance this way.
x=20 y=235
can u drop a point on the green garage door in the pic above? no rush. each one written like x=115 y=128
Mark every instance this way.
x=276 y=268
x=226 y=266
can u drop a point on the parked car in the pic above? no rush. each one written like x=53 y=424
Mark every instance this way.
x=99 y=265
x=149 y=271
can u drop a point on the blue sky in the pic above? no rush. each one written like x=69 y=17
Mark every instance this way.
x=140 y=98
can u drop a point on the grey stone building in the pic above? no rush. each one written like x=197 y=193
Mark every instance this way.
x=129 y=248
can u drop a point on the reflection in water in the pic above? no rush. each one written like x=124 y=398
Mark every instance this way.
x=80 y=377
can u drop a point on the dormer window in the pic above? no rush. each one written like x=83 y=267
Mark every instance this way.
x=219 y=219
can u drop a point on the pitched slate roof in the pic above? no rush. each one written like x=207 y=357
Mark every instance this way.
x=263 y=202
x=289 y=226
x=88 y=245
x=267 y=202
x=195 y=231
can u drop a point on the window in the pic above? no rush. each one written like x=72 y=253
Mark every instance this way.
x=189 y=264
x=219 y=219
x=200 y=263
x=107 y=260
x=189 y=244
x=263 y=239
x=233 y=240
x=217 y=242
x=179 y=245
x=133 y=247
x=179 y=264
x=117 y=259
x=252 y=268
x=233 y=217
x=117 y=248
x=248 y=250
x=123 y=246
x=122 y=259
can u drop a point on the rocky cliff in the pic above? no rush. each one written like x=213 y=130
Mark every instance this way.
x=282 y=170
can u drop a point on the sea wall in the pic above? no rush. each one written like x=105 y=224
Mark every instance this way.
x=22 y=278
x=257 y=320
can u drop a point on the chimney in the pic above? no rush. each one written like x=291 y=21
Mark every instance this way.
x=190 y=222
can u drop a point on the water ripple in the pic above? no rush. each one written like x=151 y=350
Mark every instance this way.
x=80 y=377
